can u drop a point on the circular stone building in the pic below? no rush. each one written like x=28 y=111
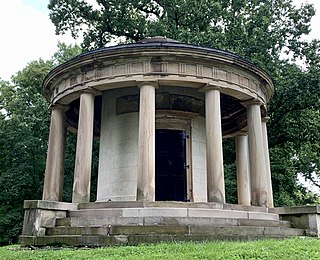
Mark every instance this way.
x=161 y=109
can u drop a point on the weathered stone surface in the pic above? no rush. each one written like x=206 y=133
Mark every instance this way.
x=118 y=152
x=259 y=192
x=213 y=213
x=228 y=231
x=245 y=208
x=53 y=181
x=101 y=224
x=50 y=205
x=215 y=173
x=111 y=204
x=154 y=212
x=132 y=235
x=307 y=218
x=146 y=142
x=96 y=213
x=267 y=162
x=233 y=74
x=295 y=210
x=261 y=215
x=104 y=221
x=65 y=222
x=283 y=232
x=41 y=214
x=264 y=223
x=74 y=240
x=82 y=170
x=243 y=170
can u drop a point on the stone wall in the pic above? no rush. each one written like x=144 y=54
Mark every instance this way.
x=199 y=167
x=117 y=177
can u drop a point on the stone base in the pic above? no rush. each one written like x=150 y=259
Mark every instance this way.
x=40 y=214
x=117 y=223
x=307 y=217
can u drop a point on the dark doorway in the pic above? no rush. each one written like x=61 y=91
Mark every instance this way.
x=171 y=180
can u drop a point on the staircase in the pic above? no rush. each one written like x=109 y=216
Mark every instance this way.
x=131 y=223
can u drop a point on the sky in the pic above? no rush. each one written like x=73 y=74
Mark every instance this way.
x=27 y=33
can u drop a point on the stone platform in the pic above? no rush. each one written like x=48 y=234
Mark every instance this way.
x=130 y=223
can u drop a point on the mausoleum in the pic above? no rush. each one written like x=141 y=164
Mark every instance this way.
x=160 y=109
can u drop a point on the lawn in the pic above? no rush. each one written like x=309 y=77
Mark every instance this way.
x=296 y=248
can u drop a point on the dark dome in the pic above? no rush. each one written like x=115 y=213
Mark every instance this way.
x=157 y=39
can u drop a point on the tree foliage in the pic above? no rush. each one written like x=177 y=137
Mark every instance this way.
x=258 y=30
x=23 y=136
x=24 y=128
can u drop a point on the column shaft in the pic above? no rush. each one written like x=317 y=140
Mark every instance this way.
x=243 y=173
x=267 y=162
x=82 y=172
x=215 y=174
x=53 y=180
x=257 y=157
x=146 y=143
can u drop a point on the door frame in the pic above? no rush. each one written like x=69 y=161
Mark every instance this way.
x=179 y=120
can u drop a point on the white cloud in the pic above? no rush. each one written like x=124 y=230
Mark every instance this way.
x=27 y=34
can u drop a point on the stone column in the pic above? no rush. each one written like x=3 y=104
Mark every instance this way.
x=53 y=179
x=267 y=162
x=82 y=172
x=256 y=155
x=146 y=143
x=215 y=174
x=243 y=173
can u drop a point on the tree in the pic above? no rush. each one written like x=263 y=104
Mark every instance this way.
x=24 y=128
x=24 y=131
x=269 y=33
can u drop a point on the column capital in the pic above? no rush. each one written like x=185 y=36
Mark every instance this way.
x=57 y=106
x=141 y=83
x=242 y=133
x=265 y=119
x=90 y=90
x=250 y=102
x=210 y=86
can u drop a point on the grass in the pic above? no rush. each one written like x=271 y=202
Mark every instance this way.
x=294 y=248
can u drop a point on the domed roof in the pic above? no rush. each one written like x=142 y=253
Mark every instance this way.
x=157 y=39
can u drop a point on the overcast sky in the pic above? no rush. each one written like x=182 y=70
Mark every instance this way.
x=27 y=33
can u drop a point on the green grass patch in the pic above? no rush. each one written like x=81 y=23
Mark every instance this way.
x=294 y=248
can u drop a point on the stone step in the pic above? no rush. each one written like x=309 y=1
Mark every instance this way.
x=167 y=221
x=168 y=204
x=118 y=230
x=196 y=234
x=174 y=230
x=73 y=240
x=63 y=222
x=264 y=223
x=172 y=212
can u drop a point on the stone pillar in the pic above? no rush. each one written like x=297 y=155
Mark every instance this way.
x=53 y=179
x=267 y=162
x=146 y=143
x=243 y=172
x=215 y=174
x=82 y=172
x=256 y=155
